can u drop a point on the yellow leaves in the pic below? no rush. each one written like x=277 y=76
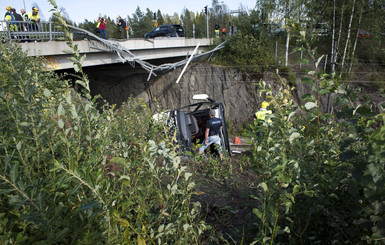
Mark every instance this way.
x=141 y=241
x=122 y=222
x=199 y=192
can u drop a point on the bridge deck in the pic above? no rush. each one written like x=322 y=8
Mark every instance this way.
x=99 y=55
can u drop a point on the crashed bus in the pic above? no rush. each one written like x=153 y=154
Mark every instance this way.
x=189 y=122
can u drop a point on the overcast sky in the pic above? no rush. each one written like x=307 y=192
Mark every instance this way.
x=79 y=10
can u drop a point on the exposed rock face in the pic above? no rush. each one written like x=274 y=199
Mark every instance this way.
x=236 y=90
x=240 y=97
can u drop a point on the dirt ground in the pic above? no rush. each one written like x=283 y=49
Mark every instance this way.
x=225 y=193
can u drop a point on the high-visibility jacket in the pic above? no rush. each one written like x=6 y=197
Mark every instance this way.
x=33 y=17
x=261 y=114
x=25 y=17
x=9 y=18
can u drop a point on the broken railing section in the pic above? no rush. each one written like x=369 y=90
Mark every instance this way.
x=126 y=55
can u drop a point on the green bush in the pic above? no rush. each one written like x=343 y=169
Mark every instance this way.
x=322 y=175
x=246 y=52
x=72 y=174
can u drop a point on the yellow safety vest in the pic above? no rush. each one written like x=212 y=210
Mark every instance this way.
x=261 y=115
x=33 y=17
x=9 y=17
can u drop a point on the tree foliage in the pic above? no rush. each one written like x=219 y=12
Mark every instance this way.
x=322 y=175
x=246 y=52
x=70 y=173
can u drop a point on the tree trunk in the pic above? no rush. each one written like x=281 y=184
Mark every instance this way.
x=349 y=31
x=337 y=46
x=288 y=35
x=287 y=49
x=333 y=53
x=355 y=41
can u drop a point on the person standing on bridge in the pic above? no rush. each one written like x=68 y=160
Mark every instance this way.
x=217 y=30
x=18 y=18
x=121 y=24
x=35 y=18
x=212 y=134
x=223 y=32
x=9 y=17
x=24 y=14
x=102 y=27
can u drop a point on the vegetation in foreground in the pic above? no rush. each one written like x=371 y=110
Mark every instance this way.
x=72 y=174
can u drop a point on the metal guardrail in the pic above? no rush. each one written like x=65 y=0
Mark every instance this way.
x=28 y=31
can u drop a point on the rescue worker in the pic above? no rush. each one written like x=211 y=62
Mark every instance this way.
x=263 y=111
x=8 y=9
x=216 y=30
x=35 y=18
x=260 y=115
x=212 y=134
x=9 y=17
x=24 y=14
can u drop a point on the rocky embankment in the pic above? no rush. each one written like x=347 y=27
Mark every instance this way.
x=236 y=90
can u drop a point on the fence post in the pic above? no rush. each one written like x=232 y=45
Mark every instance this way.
x=50 y=31
x=300 y=63
x=326 y=61
x=9 y=30
x=276 y=51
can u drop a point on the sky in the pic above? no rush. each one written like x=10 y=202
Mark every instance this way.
x=79 y=10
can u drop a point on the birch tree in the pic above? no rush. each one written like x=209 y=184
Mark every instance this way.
x=333 y=49
x=287 y=15
x=293 y=13
x=356 y=39
x=348 y=34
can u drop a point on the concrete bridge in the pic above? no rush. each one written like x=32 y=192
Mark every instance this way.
x=96 y=54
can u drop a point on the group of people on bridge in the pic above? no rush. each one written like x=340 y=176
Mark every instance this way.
x=102 y=24
x=233 y=30
x=24 y=22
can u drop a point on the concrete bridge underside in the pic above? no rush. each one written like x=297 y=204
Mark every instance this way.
x=146 y=50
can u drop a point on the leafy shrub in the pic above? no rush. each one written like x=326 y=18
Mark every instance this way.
x=246 y=52
x=322 y=176
x=72 y=174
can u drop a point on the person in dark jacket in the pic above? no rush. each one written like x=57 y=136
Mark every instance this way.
x=18 y=17
x=212 y=134
x=121 y=24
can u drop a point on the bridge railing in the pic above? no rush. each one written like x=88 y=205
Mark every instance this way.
x=28 y=31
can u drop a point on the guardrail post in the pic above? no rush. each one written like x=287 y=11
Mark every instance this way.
x=9 y=31
x=50 y=31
